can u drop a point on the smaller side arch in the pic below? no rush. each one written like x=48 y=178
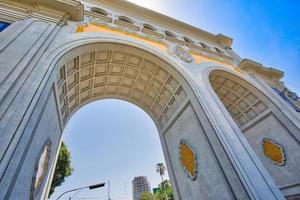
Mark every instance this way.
x=270 y=133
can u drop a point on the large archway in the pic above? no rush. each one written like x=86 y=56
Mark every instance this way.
x=88 y=69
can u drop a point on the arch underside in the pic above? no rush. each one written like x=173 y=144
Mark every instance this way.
x=240 y=102
x=122 y=72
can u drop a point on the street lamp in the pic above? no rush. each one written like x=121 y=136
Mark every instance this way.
x=91 y=187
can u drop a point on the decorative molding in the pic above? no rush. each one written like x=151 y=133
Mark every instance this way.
x=188 y=159
x=180 y=52
x=42 y=163
x=257 y=68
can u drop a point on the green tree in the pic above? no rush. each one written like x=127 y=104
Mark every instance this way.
x=166 y=193
x=63 y=167
x=146 y=196
x=160 y=168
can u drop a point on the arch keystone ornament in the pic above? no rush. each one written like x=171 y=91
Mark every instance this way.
x=273 y=151
x=188 y=159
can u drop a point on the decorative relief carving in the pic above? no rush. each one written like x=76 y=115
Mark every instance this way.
x=180 y=52
x=41 y=167
x=188 y=159
x=273 y=151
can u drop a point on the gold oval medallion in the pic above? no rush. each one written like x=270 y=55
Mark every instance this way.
x=188 y=159
x=273 y=151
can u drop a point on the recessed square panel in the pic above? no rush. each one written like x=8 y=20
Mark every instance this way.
x=134 y=60
x=251 y=98
x=151 y=94
x=124 y=91
x=160 y=102
x=156 y=84
x=85 y=96
x=72 y=66
x=73 y=80
x=74 y=104
x=144 y=77
x=87 y=59
x=242 y=120
x=73 y=93
x=103 y=56
x=240 y=91
x=86 y=85
x=127 y=82
x=172 y=83
x=61 y=76
x=230 y=84
x=62 y=92
x=146 y=102
x=166 y=93
x=130 y=72
x=173 y=104
x=99 y=81
x=180 y=94
x=161 y=74
x=118 y=57
x=101 y=69
x=116 y=69
x=242 y=105
x=86 y=73
x=112 y=90
x=114 y=80
x=149 y=66
x=140 y=87
x=136 y=95
x=99 y=91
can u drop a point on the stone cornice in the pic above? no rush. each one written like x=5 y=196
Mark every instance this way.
x=163 y=20
x=53 y=9
x=259 y=69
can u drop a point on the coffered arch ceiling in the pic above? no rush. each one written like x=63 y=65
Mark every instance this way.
x=108 y=70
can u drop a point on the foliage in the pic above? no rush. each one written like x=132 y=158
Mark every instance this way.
x=165 y=188
x=146 y=196
x=160 y=168
x=63 y=167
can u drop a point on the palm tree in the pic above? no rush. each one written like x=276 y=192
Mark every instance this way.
x=160 y=168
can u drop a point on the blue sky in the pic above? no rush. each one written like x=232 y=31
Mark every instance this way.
x=112 y=139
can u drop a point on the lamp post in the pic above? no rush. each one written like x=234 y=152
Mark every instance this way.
x=91 y=187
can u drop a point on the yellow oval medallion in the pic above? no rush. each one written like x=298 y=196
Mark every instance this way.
x=188 y=159
x=273 y=151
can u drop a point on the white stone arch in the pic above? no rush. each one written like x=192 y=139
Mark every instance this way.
x=240 y=160
x=289 y=141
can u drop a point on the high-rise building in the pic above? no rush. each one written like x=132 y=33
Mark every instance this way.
x=140 y=184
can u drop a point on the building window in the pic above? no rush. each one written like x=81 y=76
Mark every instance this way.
x=219 y=51
x=170 y=34
x=99 y=11
x=3 y=26
x=149 y=27
x=188 y=40
x=126 y=19
x=203 y=45
x=287 y=95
